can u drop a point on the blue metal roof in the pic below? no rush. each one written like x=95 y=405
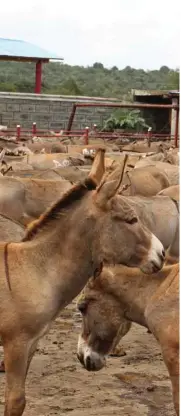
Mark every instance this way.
x=20 y=49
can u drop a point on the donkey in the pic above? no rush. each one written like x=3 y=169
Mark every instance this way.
x=172 y=191
x=10 y=230
x=24 y=199
x=155 y=212
x=42 y=274
x=145 y=181
x=171 y=171
x=121 y=295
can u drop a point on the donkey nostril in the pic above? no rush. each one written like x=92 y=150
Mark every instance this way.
x=163 y=253
x=88 y=363
x=93 y=367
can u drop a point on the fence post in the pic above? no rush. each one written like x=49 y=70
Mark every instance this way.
x=71 y=118
x=176 y=128
x=18 y=132
x=34 y=129
x=149 y=134
x=86 y=136
x=95 y=128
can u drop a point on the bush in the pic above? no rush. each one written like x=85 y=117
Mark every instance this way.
x=127 y=121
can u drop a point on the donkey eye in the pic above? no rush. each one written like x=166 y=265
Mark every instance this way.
x=133 y=220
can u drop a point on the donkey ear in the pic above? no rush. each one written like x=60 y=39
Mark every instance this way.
x=105 y=192
x=108 y=189
x=98 y=166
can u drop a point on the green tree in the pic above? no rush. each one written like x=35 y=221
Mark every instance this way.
x=98 y=65
x=173 y=79
x=164 y=69
x=24 y=86
x=95 y=80
x=70 y=87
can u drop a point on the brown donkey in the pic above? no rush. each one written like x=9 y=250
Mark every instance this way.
x=121 y=295
x=60 y=251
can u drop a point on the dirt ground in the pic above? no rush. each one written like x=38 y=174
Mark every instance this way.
x=136 y=384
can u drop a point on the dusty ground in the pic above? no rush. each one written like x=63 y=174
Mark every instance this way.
x=134 y=385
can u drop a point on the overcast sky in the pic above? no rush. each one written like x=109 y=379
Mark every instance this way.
x=139 y=33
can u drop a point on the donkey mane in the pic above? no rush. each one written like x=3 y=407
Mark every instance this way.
x=74 y=194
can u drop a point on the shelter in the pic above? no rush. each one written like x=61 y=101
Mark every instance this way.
x=163 y=120
x=19 y=50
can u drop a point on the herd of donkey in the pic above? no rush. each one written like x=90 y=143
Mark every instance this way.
x=97 y=222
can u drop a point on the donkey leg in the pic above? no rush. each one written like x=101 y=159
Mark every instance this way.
x=17 y=357
x=164 y=325
x=170 y=354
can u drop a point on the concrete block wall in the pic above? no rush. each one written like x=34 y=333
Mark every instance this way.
x=50 y=111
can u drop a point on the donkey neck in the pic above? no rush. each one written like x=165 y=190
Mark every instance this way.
x=133 y=289
x=63 y=255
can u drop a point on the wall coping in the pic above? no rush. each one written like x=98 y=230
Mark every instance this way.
x=51 y=97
